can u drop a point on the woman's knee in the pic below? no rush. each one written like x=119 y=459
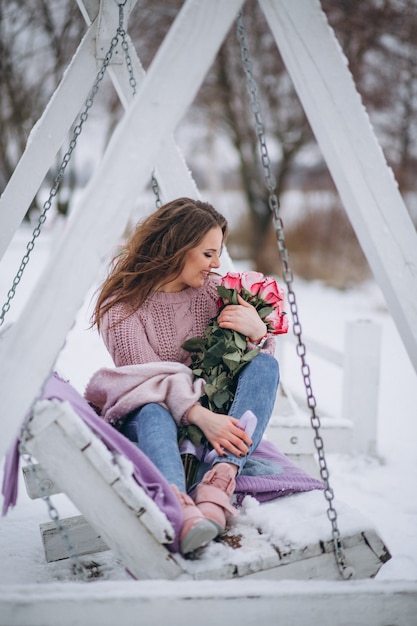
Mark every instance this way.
x=154 y=417
x=267 y=367
x=149 y=411
x=269 y=361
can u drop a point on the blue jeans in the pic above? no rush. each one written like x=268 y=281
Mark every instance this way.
x=154 y=430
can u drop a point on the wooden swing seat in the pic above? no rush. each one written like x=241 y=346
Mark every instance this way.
x=118 y=515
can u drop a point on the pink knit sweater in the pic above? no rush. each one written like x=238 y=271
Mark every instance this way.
x=156 y=331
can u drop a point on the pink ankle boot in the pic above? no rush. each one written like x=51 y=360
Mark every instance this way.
x=196 y=531
x=212 y=495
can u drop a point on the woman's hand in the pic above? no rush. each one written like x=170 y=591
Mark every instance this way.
x=220 y=430
x=243 y=318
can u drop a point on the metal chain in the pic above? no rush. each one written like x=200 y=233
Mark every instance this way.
x=156 y=191
x=273 y=202
x=79 y=569
x=125 y=47
x=133 y=84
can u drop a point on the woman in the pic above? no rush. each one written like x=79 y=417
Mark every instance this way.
x=160 y=292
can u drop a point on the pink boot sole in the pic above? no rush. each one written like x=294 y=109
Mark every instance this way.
x=197 y=536
x=196 y=531
x=212 y=495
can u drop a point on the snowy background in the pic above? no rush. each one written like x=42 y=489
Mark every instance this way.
x=383 y=488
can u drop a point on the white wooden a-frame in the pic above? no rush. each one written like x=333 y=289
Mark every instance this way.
x=29 y=348
x=319 y=71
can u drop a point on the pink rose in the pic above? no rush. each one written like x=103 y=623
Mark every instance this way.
x=271 y=292
x=277 y=322
x=232 y=281
x=252 y=282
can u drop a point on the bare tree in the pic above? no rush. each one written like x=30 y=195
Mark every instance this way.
x=38 y=38
x=379 y=40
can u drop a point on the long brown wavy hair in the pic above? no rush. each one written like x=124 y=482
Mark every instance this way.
x=155 y=252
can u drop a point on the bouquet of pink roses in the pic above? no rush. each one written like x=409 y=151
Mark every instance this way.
x=222 y=353
x=263 y=292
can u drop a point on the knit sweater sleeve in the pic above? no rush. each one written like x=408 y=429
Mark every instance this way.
x=125 y=337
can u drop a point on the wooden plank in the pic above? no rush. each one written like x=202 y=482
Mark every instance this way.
x=237 y=603
x=366 y=185
x=89 y=9
x=336 y=357
x=30 y=347
x=37 y=482
x=114 y=469
x=257 y=557
x=294 y=435
x=81 y=535
x=108 y=23
x=136 y=540
x=307 y=462
x=254 y=557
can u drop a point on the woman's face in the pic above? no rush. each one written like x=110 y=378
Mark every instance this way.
x=199 y=262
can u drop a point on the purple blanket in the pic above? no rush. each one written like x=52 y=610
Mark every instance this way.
x=145 y=472
x=268 y=474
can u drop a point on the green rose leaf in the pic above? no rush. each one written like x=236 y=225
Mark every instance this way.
x=224 y=292
x=220 y=398
x=265 y=311
x=250 y=355
x=232 y=360
x=234 y=299
x=191 y=432
x=222 y=380
x=246 y=295
x=217 y=349
x=195 y=435
x=240 y=340
x=210 y=390
x=218 y=336
x=195 y=344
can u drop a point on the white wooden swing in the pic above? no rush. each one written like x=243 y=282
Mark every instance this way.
x=310 y=53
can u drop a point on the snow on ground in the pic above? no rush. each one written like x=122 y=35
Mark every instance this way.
x=382 y=488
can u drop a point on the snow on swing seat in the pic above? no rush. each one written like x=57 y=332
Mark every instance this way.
x=289 y=537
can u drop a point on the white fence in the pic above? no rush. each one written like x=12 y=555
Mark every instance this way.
x=356 y=430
